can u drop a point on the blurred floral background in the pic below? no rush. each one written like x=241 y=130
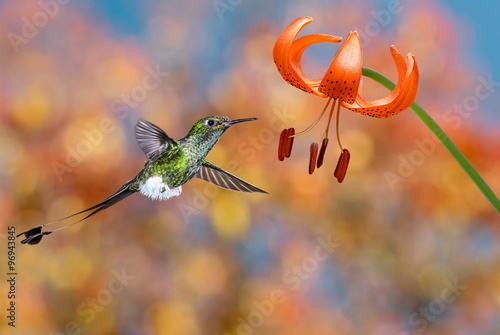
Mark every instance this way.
x=405 y=245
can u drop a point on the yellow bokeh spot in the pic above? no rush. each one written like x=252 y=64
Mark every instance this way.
x=496 y=287
x=70 y=268
x=103 y=323
x=26 y=185
x=359 y=145
x=64 y=206
x=256 y=52
x=117 y=76
x=431 y=278
x=230 y=216
x=91 y=141
x=218 y=154
x=31 y=107
x=174 y=318
x=205 y=273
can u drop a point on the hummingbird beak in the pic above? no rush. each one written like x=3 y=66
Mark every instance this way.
x=231 y=122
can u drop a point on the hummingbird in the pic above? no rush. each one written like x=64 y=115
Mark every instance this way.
x=169 y=165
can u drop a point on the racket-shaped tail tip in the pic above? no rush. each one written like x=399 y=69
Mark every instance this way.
x=34 y=235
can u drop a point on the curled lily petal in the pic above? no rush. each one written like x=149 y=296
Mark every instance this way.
x=287 y=54
x=342 y=79
x=400 y=98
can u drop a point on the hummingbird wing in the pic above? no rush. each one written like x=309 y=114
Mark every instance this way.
x=213 y=174
x=151 y=139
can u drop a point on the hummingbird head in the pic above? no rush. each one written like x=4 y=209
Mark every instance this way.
x=208 y=130
x=214 y=125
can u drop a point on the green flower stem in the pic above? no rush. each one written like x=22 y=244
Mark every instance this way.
x=441 y=135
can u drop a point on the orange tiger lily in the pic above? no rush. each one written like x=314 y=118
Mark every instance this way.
x=341 y=83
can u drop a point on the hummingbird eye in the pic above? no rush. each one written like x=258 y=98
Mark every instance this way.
x=210 y=123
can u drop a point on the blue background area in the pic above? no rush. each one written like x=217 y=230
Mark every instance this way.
x=130 y=16
x=123 y=17
x=483 y=16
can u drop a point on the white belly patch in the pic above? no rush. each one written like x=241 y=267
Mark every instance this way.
x=156 y=189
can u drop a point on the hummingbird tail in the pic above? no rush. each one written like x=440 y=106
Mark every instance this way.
x=34 y=235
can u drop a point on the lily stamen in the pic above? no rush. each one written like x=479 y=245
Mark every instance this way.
x=342 y=165
x=285 y=143
x=325 y=134
x=322 y=151
x=337 y=127
x=316 y=121
x=313 y=154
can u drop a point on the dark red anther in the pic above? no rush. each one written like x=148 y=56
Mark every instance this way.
x=281 y=145
x=313 y=150
x=289 y=142
x=341 y=168
x=321 y=155
x=285 y=143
